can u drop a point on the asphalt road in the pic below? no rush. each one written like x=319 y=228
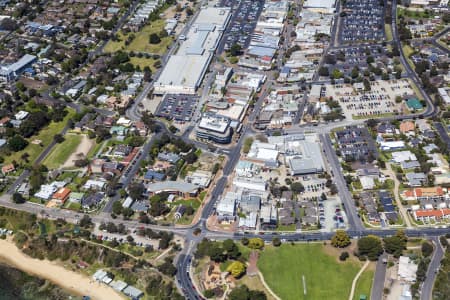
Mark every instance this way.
x=378 y=279
x=354 y=222
x=427 y=286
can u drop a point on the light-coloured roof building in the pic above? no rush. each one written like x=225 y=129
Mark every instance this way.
x=402 y=156
x=226 y=207
x=172 y=186
x=184 y=71
x=406 y=269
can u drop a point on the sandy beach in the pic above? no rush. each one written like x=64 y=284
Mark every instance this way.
x=73 y=282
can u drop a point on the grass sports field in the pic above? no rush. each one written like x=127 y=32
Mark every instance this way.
x=325 y=277
x=61 y=152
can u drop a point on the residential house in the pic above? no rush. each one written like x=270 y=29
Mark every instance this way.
x=430 y=194
x=141 y=128
x=8 y=168
x=92 y=200
x=61 y=195
x=152 y=175
x=122 y=150
x=435 y=215
x=179 y=212
x=112 y=167
x=416 y=179
x=407 y=127
x=386 y=129
x=76 y=197
x=173 y=158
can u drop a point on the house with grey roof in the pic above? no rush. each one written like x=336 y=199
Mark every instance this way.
x=416 y=179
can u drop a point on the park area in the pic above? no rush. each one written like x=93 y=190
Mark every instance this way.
x=312 y=271
x=72 y=148
x=37 y=143
x=141 y=41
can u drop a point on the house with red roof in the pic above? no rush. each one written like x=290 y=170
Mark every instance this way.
x=424 y=194
x=61 y=195
x=436 y=215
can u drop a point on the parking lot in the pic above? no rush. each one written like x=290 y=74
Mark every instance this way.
x=243 y=22
x=331 y=215
x=177 y=107
x=346 y=58
x=379 y=101
x=363 y=21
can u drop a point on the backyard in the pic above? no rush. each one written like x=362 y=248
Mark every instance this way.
x=325 y=277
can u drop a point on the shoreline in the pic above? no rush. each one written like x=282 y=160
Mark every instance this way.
x=73 y=282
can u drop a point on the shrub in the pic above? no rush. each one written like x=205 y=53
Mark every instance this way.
x=344 y=255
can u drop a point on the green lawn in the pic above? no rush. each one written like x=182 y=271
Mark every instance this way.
x=45 y=135
x=61 y=152
x=364 y=284
x=325 y=277
x=93 y=151
x=141 y=41
x=143 y=62
x=388 y=30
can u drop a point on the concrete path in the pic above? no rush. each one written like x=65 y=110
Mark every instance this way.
x=355 y=280
x=261 y=277
x=401 y=208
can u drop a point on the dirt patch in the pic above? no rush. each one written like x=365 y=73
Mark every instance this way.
x=81 y=152
x=252 y=269
x=336 y=252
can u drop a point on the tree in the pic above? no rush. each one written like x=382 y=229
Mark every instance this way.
x=167 y=268
x=136 y=190
x=244 y=293
x=235 y=50
x=17 y=143
x=236 y=269
x=323 y=71
x=344 y=255
x=18 y=198
x=255 y=243
x=276 y=242
x=297 y=187
x=337 y=74
x=231 y=249
x=85 y=221
x=394 y=245
x=427 y=249
x=154 y=39
x=443 y=241
x=117 y=208
x=370 y=246
x=58 y=138
x=340 y=239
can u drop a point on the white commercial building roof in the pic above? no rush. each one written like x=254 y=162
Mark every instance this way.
x=319 y=3
x=227 y=205
x=184 y=71
x=214 y=122
x=249 y=221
